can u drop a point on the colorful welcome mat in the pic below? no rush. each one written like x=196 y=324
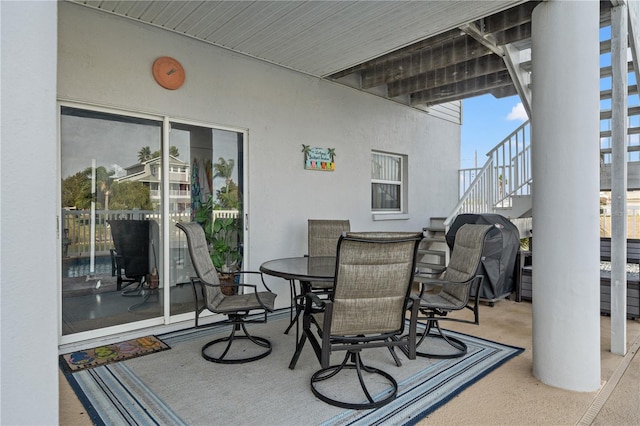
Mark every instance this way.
x=90 y=358
x=178 y=387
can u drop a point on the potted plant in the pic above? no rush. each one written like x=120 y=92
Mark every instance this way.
x=221 y=234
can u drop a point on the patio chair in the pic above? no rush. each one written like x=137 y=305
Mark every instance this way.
x=130 y=255
x=366 y=309
x=236 y=307
x=322 y=240
x=451 y=291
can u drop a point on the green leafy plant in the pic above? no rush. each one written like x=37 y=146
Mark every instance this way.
x=221 y=234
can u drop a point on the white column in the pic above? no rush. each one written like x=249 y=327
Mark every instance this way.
x=619 y=180
x=565 y=161
x=29 y=205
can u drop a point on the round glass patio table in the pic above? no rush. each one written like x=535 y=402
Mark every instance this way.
x=303 y=268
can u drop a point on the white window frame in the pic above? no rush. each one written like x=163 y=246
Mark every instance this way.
x=401 y=212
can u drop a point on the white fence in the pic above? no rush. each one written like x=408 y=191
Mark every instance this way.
x=633 y=221
x=76 y=227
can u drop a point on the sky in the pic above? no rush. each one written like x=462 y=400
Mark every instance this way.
x=486 y=121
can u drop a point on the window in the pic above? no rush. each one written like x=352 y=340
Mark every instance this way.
x=387 y=182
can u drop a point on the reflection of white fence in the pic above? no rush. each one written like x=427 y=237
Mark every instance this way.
x=225 y=214
x=76 y=225
x=633 y=221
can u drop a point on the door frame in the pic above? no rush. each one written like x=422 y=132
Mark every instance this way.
x=166 y=322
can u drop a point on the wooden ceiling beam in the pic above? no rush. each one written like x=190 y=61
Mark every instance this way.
x=429 y=43
x=510 y=18
x=467 y=70
x=512 y=35
x=448 y=54
x=503 y=91
x=461 y=90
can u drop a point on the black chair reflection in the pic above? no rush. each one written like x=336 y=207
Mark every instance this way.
x=130 y=257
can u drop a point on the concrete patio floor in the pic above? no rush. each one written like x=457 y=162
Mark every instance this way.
x=511 y=394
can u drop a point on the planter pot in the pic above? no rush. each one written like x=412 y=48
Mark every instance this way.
x=227 y=284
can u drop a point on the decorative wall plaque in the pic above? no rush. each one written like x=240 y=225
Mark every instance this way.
x=321 y=159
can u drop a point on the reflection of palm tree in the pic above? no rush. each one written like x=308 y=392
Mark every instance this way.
x=103 y=183
x=144 y=154
x=224 y=169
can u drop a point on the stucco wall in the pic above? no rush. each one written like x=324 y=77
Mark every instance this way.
x=28 y=266
x=107 y=60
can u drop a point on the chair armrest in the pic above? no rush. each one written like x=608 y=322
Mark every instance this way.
x=445 y=282
x=414 y=307
x=237 y=273
x=255 y=287
x=315 y=299
x=430 y=272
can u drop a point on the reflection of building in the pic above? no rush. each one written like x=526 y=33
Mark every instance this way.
x=150 y=174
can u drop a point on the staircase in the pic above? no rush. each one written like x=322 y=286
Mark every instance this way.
x=433 y=253
x=503 y=184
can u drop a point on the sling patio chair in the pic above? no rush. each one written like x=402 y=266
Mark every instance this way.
x=236 y=306
x=451 y=291
x=322 y=240
x=366 y=309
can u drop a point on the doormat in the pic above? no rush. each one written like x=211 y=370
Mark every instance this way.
x=90 y=358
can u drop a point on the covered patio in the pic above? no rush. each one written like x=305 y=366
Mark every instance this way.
x=325 y=78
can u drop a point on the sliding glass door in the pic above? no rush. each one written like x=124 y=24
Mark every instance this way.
x=213 y=197
x=124 y=264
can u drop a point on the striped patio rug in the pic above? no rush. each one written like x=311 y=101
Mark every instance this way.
x=178 y=387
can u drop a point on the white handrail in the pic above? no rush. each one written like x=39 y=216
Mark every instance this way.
x=507 y=173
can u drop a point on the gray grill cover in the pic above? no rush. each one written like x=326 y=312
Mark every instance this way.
x=498 y=256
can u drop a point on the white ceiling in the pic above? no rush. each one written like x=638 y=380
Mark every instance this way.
x=315 y=37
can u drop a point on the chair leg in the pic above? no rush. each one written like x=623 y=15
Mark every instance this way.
x=392 y=350
x=146 y=294
x=296 y=316
x=135 y=291
x=429 y=333
x=238 y=325
x=383 y=398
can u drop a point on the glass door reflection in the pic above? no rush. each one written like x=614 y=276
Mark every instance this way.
x=208 y=190
x=112 y=198
x=110 y=219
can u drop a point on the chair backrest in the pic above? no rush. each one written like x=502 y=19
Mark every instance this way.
x=202 y=264
x=323 y=236
x=467 y=252
x=465 y=258
x=131 y=241
x=374 y=274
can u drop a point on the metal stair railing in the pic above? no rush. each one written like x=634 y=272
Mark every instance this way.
x=506 y=174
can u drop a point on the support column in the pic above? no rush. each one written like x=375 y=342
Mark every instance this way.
x=619 y=179
x=565 y=130
x=29 y=211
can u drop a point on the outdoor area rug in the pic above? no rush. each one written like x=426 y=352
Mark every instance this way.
x=90 y=358
x=179 y=387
